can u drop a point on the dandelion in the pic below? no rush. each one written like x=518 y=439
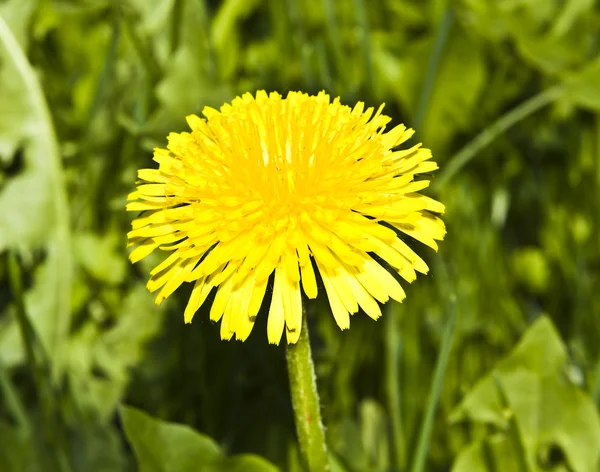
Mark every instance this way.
x=285 y=187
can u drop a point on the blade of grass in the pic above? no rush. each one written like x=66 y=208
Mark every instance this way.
x=501 y=125
x=301 y=44
x=325 y=76
x=393 y=341
x=25 y=328
x=364 y=36
x=441 y=38
x=39 y=365
x=13 y=402
x=393 y=353
x=106 y=73
x=175 y=25
x=140 y=45
x=211 y=63
x=596 y=388
x=436 y=390
x=335 y=39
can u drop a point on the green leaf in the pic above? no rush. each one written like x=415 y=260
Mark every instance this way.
x=245 y=463
x=550 y=411
x=99 y=256
x=583 y=88
x=18 y=452
x=190 y=81
x=33 y=204
x=224 y=32
x=187 y=87
x=493 y=453
x=551 y=36
x=458 y=85
x=100 y=360
x=17 y=14
x=160 y=446
x=163 y=447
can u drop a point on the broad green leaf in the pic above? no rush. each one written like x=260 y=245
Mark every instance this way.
x=563 y=46
x=225 y=33
x=458 y=85
x=33 y=205
x=554 y=55
x=551 y=36
x=163 y=447
x=17 y=14
x=153 y=16
x=100 y=360
x=191 y=80
x=583 y=88
x=98 y=256
x=245 y=463
x=550 y=411
x=490 y=454
x=187 y=87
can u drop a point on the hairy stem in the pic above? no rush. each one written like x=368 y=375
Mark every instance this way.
x=305 y=401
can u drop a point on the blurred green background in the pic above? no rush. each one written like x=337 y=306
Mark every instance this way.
x=507 y=96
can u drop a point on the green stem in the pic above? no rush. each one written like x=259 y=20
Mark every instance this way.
x=393 y=348
x=471 y=149
x=436 y=390
x=305 y=401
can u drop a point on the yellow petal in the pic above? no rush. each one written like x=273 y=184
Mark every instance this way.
x=309 y=282
x=276 y=320
x=220 y=303
x=340 y=313
x=195 y=300
x=366 y=301
x=176 y=277
x=142 y=250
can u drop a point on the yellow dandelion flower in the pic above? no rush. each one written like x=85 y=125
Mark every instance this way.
x=284 y=186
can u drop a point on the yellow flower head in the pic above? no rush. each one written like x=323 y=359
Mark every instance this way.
x=284 y=186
